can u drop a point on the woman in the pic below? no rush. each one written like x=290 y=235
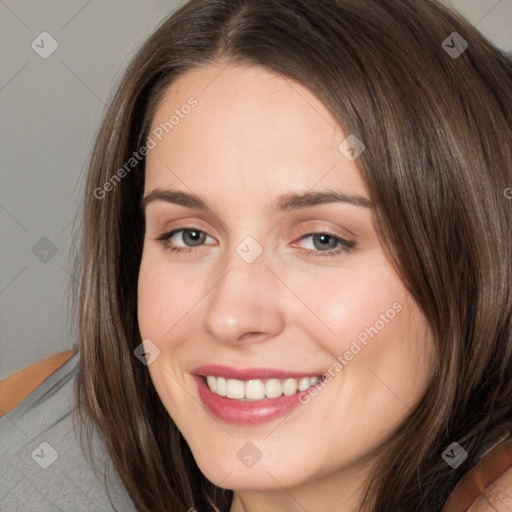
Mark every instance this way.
x=295 y=278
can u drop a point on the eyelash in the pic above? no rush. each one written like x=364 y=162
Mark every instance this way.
x=345 y=246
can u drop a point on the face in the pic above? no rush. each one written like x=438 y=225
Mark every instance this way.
x=256 y=293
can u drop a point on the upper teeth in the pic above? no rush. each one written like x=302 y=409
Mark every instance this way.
x=258 y=389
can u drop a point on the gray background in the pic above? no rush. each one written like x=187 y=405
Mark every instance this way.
x=50 y=109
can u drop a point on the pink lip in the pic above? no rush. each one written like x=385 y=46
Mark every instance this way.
x=249 y=373
x=245 y=411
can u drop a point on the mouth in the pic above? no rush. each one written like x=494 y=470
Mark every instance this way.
x=251 y=396
x=257 y=389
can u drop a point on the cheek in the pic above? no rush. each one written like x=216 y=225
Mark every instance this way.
x=356 y=303
x=164 y=299
x=375 y=335
x=164 y=305
x=387 y=356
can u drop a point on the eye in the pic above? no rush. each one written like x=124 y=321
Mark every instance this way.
x=327 y=244
x=191 y=236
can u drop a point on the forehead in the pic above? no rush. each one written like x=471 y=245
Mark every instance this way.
x=246 y=124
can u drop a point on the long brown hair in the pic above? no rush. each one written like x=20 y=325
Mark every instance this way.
x=437 y=126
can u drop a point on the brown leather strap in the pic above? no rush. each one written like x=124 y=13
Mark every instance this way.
x=18 y=386
x=483 y=474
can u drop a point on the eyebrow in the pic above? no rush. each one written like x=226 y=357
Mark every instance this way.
x=284 y=203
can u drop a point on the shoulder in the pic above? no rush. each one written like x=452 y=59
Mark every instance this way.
x=497 y=496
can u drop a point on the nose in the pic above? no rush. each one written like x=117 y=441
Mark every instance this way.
x=246 y=302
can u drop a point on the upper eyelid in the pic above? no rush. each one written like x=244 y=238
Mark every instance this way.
x=222 y=228
x=152 y=217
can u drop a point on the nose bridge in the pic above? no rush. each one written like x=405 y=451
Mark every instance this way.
x=245 y=298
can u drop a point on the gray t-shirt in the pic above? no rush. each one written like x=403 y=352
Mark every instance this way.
x=42 y=467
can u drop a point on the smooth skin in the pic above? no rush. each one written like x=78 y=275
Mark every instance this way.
x=254 y=136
